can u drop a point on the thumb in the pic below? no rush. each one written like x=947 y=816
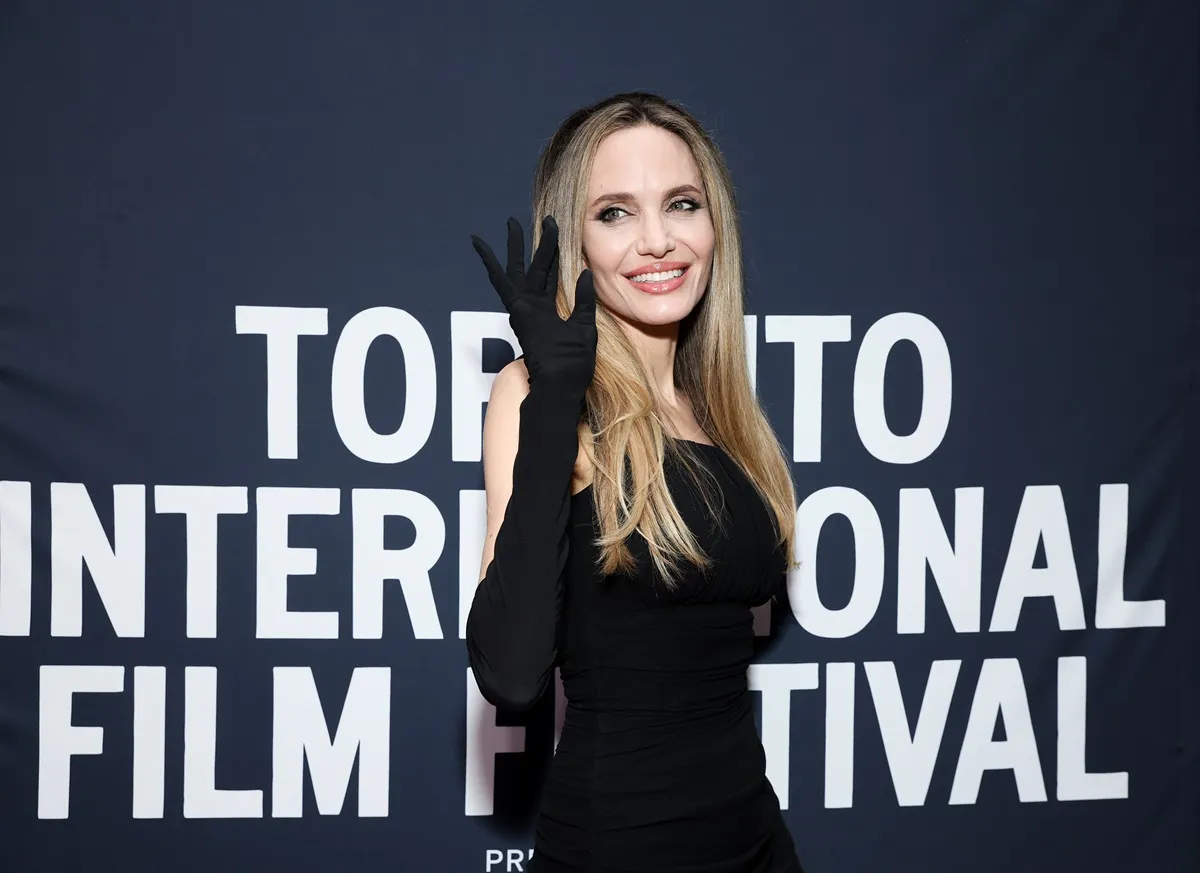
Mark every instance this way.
x=585 y=299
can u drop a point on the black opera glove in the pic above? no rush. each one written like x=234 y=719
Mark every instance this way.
x=512 y=627
x=556 y=350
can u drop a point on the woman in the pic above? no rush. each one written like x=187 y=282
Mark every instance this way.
x=639 y=503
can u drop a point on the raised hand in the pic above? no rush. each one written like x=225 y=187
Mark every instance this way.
x=559 y=352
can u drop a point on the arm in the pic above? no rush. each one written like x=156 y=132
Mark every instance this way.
x=530 y=446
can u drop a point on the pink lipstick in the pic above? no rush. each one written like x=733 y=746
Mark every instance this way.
x=660 y=277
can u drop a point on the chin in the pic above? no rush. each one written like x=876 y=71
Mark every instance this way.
x=658 y=313
x=668 y=315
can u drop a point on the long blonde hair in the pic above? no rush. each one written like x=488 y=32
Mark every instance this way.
x=623 y=433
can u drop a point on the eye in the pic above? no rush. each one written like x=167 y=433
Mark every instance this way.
x=609 y=215
x=688 y=204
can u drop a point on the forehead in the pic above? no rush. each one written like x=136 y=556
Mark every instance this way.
x=642 y=160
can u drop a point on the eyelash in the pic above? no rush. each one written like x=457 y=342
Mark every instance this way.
x=606 y=217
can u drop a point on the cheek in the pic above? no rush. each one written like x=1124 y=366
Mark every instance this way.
x=609 y=293
x=703 y=241
x=604 y=259
x=602 y=253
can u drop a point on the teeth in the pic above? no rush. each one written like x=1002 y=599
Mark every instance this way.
x=657 y=277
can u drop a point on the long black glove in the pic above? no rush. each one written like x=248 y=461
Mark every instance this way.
x=512 y=628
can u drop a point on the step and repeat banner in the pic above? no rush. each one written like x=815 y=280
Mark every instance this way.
x=245 y=353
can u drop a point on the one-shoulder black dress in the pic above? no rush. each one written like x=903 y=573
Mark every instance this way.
x=659 y=766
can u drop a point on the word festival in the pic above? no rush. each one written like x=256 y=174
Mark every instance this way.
x=932 y=571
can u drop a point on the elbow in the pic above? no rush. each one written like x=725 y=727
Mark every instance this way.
x=504 y=684
x=507 y=696
x=512 y=665
x=506 y=690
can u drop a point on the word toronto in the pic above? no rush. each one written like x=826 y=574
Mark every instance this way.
x=361 y=566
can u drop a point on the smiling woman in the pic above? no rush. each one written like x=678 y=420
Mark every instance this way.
x=639 y=503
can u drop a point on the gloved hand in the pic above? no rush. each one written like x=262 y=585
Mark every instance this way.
x=557 y=351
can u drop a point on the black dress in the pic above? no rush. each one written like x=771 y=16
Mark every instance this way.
x=659 y=765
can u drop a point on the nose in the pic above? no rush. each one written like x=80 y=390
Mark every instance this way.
x=655 y=240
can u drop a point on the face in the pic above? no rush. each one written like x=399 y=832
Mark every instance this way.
x=648 y=233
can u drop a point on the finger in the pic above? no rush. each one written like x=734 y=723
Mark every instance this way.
x=495 y=272
x=547 y=251
x=551 y=290
x=585 y=299
x=516 y=253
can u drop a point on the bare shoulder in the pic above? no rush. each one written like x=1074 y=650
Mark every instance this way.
x=509 y=388
x=501 y=428
x=501 y=437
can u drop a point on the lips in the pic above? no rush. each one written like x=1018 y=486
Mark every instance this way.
x=660 y=277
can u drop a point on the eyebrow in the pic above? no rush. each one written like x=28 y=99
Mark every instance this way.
x=618 y=196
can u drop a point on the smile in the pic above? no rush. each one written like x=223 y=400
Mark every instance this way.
x=658 y=281
x=657 y=277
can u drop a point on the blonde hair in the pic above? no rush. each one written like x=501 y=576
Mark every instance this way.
x=622 y=432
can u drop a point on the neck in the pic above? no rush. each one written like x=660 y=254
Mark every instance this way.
x=656 y=346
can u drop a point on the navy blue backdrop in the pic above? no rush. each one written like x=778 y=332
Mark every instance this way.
x=244 y=353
